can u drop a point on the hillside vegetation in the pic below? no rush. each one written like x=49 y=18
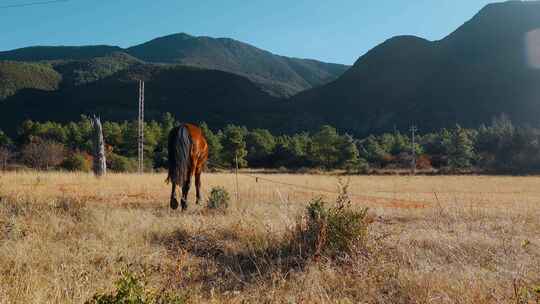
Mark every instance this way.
x=498 y=148
x=484 y=69
x=79 y=72
x=277 y=75
x=16 y=76
x=478 y=72
x=43 y=53
x=191 y=94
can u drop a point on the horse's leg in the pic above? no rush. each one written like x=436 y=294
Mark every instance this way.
x=174 y=201
x=185 y=191
x=198 y=183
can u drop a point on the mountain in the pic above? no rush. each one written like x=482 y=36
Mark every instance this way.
x=278 y=75
x=42 y=53
x=51 y=75
x=192 y=94
x=487 y=67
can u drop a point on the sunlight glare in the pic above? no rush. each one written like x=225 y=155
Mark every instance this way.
x=532 y=41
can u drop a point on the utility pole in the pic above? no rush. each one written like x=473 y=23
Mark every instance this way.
x=413 y=130
x=236 y=173
x=141 y=127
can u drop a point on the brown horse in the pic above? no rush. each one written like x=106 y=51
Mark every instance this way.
x=188 y=153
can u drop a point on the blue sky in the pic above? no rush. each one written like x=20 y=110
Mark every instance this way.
x=335 y=31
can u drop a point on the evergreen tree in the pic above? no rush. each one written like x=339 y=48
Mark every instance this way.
x=460 y=149
x=375 y=152
x=5 y=141
x=215 y=148
x=260 y=145
x=495 y=143
x=349 y=157
x=324 y=148
x=26 y=132
x=291 y=152
x=234 y=145
x=167 y=123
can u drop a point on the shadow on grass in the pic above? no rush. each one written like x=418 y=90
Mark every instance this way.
x=229 y=261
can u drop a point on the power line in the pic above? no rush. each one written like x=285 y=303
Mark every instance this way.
x=32 y=3
x=258 y=178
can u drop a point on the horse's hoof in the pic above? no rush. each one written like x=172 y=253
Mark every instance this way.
x=184 y=205
x=174 y=204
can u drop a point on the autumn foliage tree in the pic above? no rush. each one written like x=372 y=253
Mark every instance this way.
x=43 y=155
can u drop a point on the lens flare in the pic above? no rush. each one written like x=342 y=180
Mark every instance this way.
x=532 y=41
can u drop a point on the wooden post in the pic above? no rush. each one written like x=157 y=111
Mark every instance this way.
x=100 y=162
x=236 y=172
x=413 y=130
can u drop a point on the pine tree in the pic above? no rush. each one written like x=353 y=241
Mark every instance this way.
x=349 y=156
x=324 y=147
x=234 y=145
x=260 y=145
x=5 y=141
x=461 y=149
x=214 y=146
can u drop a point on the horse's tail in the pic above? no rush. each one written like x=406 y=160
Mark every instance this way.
x=179 y=155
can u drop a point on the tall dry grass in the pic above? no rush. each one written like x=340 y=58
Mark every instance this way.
x=461 y=239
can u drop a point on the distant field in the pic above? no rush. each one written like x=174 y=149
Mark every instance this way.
x=440 y=239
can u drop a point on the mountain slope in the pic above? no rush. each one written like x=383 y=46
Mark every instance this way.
x=16 y=76
x=488 y=66
x=41 y=53
x=191 y=94
x=78 y=72
x=478 y=72
x=278 y=75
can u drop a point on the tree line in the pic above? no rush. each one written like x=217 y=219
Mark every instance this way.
x=497 y=147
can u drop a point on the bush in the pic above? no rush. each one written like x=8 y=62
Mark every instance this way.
x=120 y=163
x=77 y=162
x=219 y=199
x=43 y=154
x=5 y=157
x=423 y=163
x=130 y=290
x=332 y=231
x=361 y=166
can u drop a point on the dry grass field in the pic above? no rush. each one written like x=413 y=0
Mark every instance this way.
x=445 y=239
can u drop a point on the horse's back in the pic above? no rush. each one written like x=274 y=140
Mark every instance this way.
x=199 y=149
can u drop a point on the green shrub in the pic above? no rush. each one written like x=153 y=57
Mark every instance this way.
x=219 y=199
x=130 y=290
x=332 y=231
x=77 y=162
x=120 y=163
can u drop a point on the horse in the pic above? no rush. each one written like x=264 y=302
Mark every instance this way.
x=188 y=154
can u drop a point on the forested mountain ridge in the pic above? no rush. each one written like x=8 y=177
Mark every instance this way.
x=278 y=75
x=192 y=94
x=485 y=68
